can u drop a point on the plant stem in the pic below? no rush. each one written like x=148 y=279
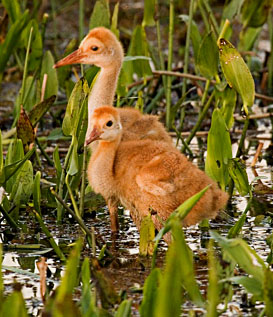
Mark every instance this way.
x=204 y=97
x=170 y=59
x=81 y=211
x=49 y=236
x=49 y=160
x=9 y=219
x=61 y=186
x=25 y=67
x=270 y=59
x=212 y=17
x=186 y=60
x=243 y=136
x=204 y=16
x=72 y=196
x=199 y=121
x=224 y=30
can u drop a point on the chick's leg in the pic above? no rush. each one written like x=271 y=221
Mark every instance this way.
x=112 y=204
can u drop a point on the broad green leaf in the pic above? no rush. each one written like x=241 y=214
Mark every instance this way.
x=240 y=252
x=6 y=48
x=237 y=172
x=124 y=309
x=11 y=169
x=148 y=304
x=138 y=47
x=15 y=154
x=195 y=35
x=37 y=192
x=75 y=102
x=87 y=302
x=248 y=38
x=30 y=95
x=14 y=305
x=100 y=15
x=23 y=187
x=38 y=111
x=228 y=98
x=236 y=72
x=52 y=79
x=254 y=13
x=232 y=9
x=218 y=150
x=1 y=278
x=25 y=130
x=251 y=284
x=149 y=12
x=13 y=9
x=114 y=24
x=235 y=230
x=208 y=57
x=73 y=164
x=268 y=291
x=70 y=279
x=147 y=234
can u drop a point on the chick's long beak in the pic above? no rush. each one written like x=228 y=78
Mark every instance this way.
x=94 y=135
x=73 y=58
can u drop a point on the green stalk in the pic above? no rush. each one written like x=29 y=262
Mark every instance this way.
x=81 y=211
x=186 y=61
x=52 y=242
x=270 y=60
x=170 y=59
x=25 y=67
x=204 y=16
x=204 y=97
x=81 y=25
x=224 y=29
x=199 y=121
x=212 y=17
x=9 y=219
x=61 y=186
x=72 y=196
x=159 y=46
x=48 y=159
x=243 y=136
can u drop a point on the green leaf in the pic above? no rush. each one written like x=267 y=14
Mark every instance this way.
x=208 y=57
x=228 y=98
x=150 y=291
x=1 y=154
x=14 y=305
x=13 y=9
x=218 y=150
x=38 y=111
x=236 y=72
x=73 y=109
x=11 y=169
x=87 y=302
x=124 y=309
x=237 y=171
x=74 y=164
x=114 y=24
x=255 y=13
x=149 y=12
x=30 y=95
x=195 y=35
x=240 y=252
x=52 y=79
x=57 y=164
x=247 y=38
x=100 y=15
x=268 y=291
x=23 y=187
x=251 y=284
x=235 y=230
x=10 y=44
x=138 y=47
x=37 y=192
x=69 y=280
x=25 y=130
x=232 y=9
x=147 y=234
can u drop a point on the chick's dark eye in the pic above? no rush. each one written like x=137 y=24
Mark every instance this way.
x=109 y=123
x=94 y=48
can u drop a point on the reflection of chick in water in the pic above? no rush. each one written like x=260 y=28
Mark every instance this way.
x=101 y=48
x=146 y=174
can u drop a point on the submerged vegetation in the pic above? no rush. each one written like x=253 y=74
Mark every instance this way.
x=224 y=85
